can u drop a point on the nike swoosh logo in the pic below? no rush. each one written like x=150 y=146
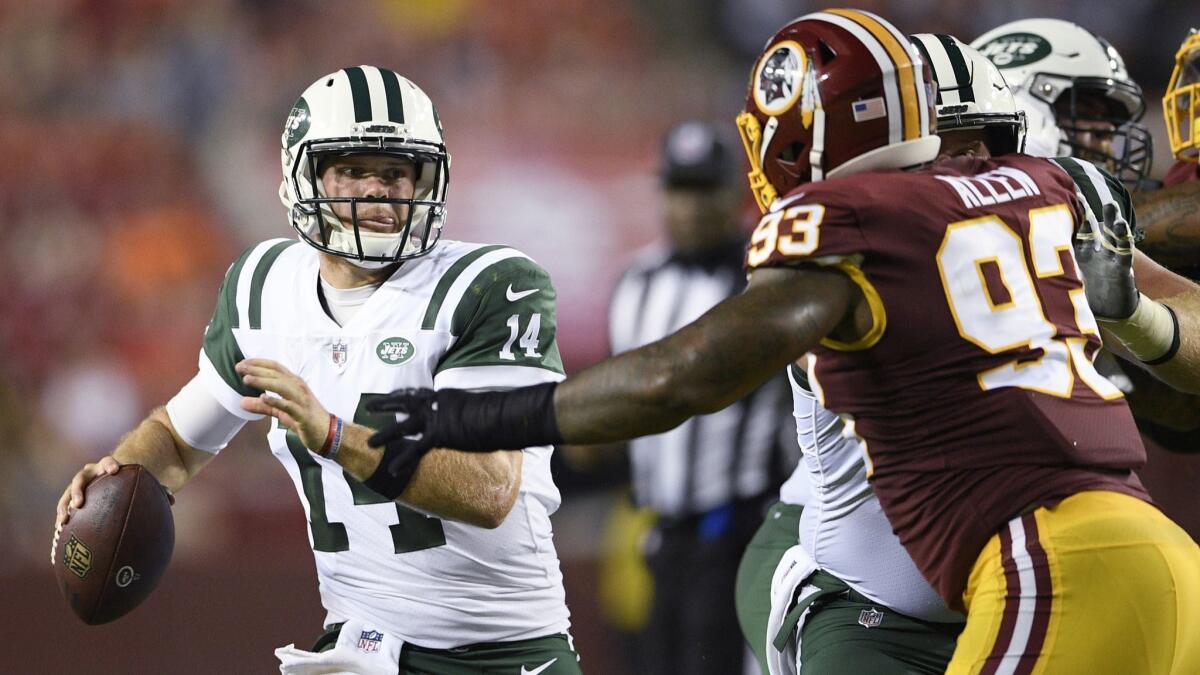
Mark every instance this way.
x=535 y=671
x=515 y=296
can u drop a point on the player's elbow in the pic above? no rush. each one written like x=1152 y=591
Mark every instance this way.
x=497 y=494
x=492 y=510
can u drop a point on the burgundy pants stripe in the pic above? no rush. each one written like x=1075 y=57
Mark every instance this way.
x=1045 y=595
x=1027 y=600
x=1012 y=591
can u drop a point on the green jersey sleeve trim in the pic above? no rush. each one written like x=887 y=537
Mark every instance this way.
x=239 y=305
x=447 y=282
x=260 y=277
x=505 y=316
x=220 y=346
x=1098 y=187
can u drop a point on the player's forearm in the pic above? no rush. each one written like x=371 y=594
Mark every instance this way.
x=1171 y=220
x=155 y=446
x=479 y=489
x=709 y=364
x=1183 y=370
x=475 y=488
x=1168 y=346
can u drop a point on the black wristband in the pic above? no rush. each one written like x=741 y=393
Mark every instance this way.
x=495 y=420
x=396 y=469
x=1174 y=348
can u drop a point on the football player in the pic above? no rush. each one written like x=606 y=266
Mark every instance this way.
x=1173 y=213
x=1181 y=109
x=452 y=568
x=1070 y=77
x=866 y=607
x=948 y=327
x=864 y=577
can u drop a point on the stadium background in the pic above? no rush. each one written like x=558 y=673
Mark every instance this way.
x=139 y=144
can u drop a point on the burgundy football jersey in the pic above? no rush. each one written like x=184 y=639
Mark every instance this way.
x=975 y=390
x=1181 y=172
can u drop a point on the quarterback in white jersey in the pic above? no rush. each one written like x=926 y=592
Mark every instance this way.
x=449 y=566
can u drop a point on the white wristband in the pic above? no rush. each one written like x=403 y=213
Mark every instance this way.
x=1151 y=333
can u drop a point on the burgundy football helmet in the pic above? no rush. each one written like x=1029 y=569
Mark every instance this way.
x=835 y=93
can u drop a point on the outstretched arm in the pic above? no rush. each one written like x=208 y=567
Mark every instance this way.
x=709 y=364
x=701 y=368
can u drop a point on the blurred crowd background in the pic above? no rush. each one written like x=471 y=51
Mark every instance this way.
x=139 y=153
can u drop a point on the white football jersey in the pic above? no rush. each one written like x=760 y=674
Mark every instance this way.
x=843 y=526
x=465 y=316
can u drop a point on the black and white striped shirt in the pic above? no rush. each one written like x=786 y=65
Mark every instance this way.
x=740 y=452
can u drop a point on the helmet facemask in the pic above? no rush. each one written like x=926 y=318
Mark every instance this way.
x=1095 y=106
x=313 y=213
x=352 y=113
x=1181 y=103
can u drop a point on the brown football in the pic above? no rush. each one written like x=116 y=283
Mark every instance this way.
x=112 y=552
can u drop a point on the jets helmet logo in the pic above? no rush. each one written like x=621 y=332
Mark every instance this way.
x=779 y=77
x=1016 y=49
x=298 y=122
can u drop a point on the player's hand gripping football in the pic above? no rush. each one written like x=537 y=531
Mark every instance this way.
x=285 y=397
x=72 y=498
x=1105 y=259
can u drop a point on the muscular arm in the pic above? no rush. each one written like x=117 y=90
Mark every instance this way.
x=710 y=363
x=475 y=488
x=1171 y=220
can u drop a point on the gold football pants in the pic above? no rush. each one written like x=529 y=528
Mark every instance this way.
x=1100 y=583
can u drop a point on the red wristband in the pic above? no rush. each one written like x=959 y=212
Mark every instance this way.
x=325 y=447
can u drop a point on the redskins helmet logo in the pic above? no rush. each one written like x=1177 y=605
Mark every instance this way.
x=779 y=77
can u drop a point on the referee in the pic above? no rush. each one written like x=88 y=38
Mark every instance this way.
x=708 y=479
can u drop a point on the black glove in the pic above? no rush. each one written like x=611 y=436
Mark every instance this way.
x=1105 y=259
x=472 y=421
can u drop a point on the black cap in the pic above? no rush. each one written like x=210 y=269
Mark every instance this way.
x=696 y=155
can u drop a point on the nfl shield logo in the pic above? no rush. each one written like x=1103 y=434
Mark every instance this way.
x=369 y=640
x=870 y=618
x=340 y=354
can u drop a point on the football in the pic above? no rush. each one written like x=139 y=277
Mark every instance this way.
x=112 y=552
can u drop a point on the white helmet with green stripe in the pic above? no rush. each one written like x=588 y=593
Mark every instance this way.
x=364 y=110
x=971 y=93
x=1079 y=80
